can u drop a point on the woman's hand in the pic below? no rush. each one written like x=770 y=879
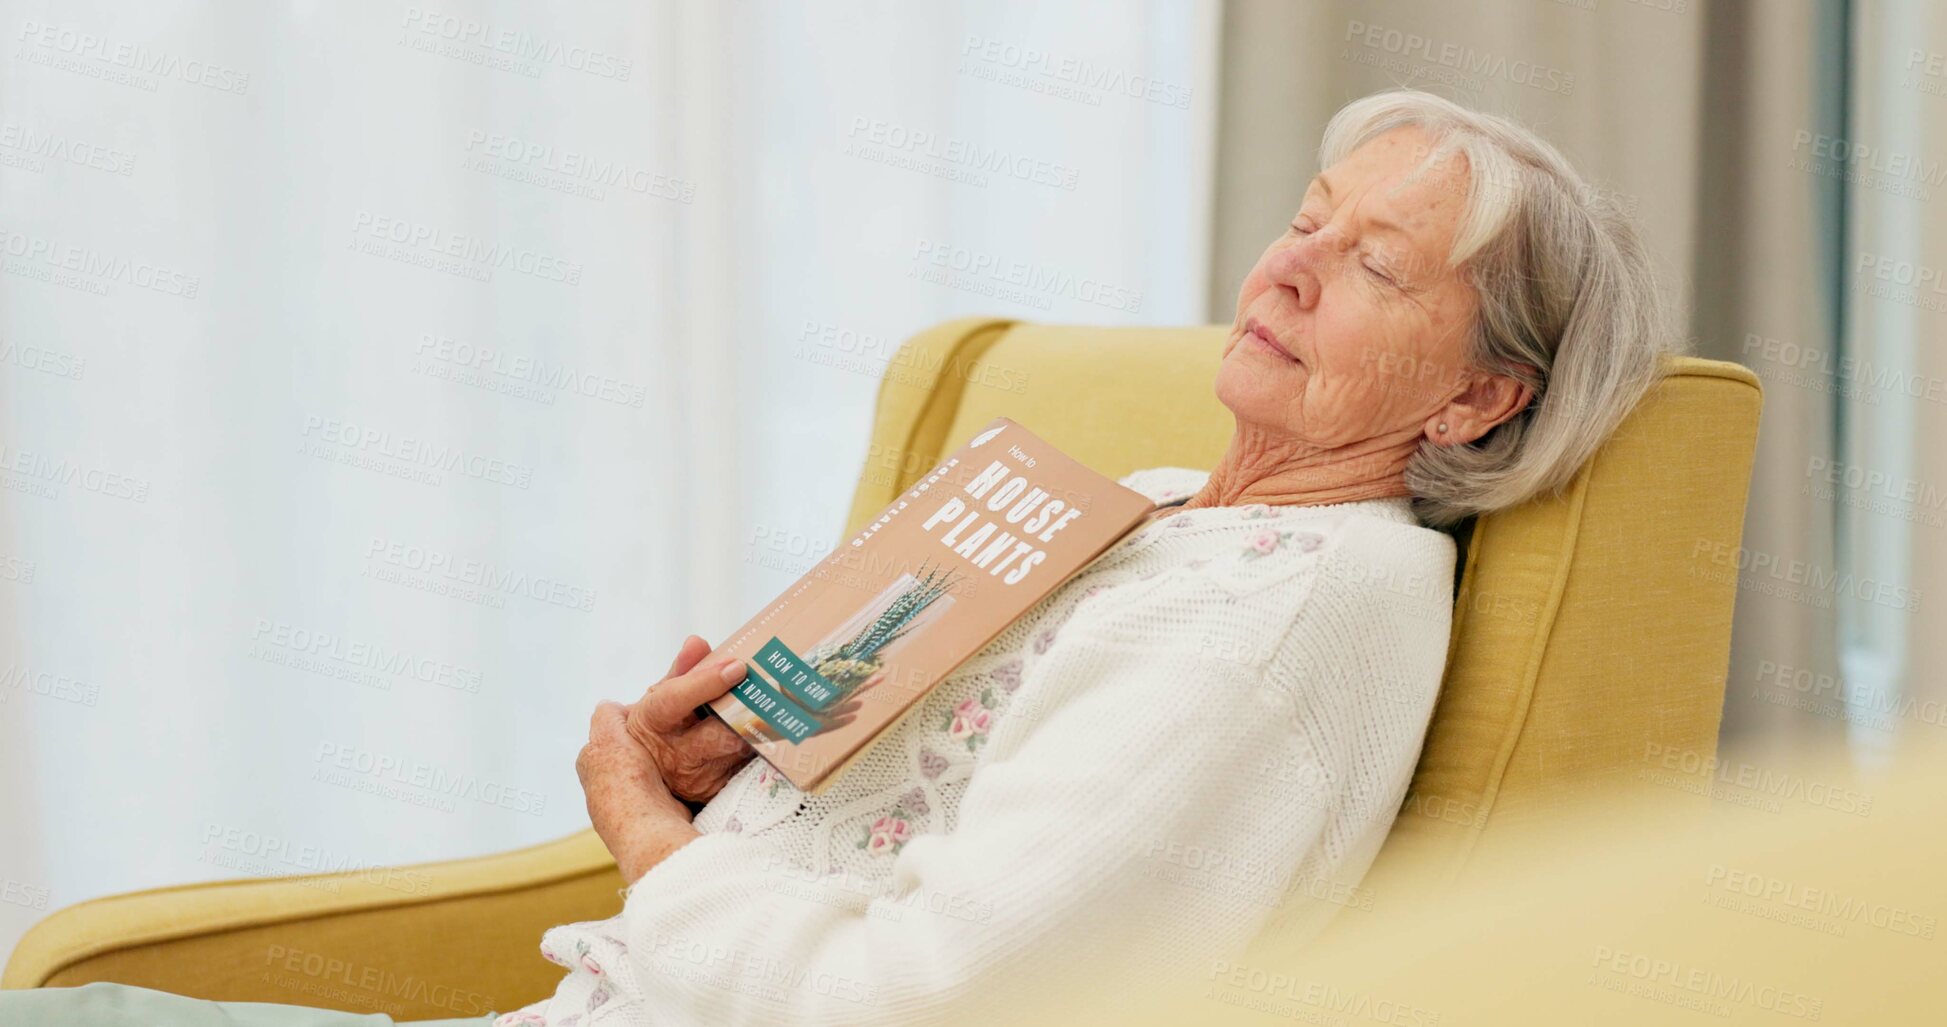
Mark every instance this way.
x=695 y=754
x=630 y=807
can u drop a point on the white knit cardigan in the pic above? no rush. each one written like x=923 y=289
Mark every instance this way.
x=1206 y=732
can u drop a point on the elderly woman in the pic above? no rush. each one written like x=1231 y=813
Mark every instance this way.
x=1215 y=722
x=1209 y=731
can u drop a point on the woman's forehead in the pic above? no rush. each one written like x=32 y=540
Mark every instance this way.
x=1398 y=193
x=1406 y=170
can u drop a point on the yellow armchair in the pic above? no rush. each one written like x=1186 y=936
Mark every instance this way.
x=1590 y=642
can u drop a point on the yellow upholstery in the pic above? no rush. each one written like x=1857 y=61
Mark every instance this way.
x=1591 y=637
x=1640 y=910
x=427 y=942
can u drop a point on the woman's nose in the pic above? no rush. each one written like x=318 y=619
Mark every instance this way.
x=1307 y=263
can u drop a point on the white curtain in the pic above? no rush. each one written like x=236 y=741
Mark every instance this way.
x=1890 y=486
x=381 y=385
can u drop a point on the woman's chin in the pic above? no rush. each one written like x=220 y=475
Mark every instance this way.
x=1242 y=386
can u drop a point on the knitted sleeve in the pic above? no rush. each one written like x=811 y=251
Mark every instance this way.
x=1123 y=833
x=1363 y=666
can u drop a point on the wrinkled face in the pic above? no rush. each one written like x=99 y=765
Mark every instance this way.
x=1350 y=328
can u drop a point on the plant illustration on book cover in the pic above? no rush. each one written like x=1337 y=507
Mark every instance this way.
x=954 y=559
x=857 y=650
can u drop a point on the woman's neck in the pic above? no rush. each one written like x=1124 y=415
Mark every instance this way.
x=1259 y=467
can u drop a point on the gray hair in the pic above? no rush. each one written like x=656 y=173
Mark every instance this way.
x=1569 y=302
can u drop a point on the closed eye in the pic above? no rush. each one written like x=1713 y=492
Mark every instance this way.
x=1299 y=228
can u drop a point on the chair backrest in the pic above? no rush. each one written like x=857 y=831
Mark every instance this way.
x=1591 y=630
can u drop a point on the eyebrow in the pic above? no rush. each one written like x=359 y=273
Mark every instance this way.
x=1380 y=223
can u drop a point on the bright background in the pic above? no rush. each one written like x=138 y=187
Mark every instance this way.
x=237 y=351
x=229 y=610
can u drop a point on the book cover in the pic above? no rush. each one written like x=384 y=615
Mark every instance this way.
x=957 y=557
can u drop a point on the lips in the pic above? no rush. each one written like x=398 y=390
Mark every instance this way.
x=1261 y=336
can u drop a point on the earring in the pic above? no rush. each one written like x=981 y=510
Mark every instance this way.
x=1443 y=427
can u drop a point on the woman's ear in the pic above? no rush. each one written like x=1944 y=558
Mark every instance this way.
x=1488 y=400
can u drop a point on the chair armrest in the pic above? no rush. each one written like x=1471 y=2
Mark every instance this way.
x=450 y=939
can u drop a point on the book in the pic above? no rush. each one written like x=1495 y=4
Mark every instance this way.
x=853 y=645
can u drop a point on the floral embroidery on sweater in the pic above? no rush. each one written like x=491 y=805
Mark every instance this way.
x=890 y=833
x=1264 y=543
x=1268 y=540
x=587 y=961
x=969 y=721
